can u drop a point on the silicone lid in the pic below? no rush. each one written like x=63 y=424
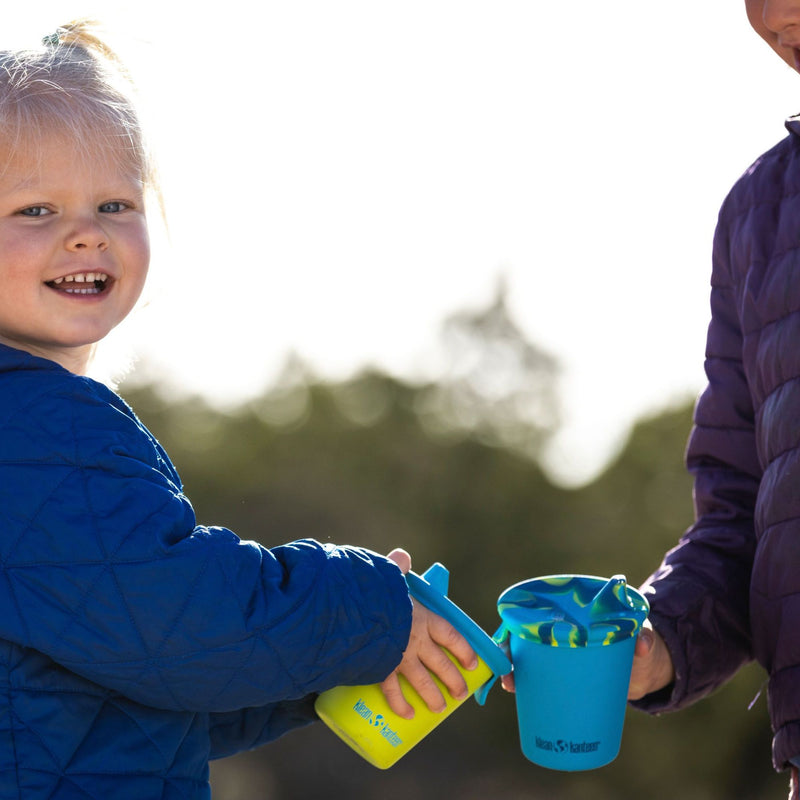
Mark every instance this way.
x=573 y=610
x=569 y=611
x=430 y=589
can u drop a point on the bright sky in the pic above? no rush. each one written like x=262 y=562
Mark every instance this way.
x=340 y=176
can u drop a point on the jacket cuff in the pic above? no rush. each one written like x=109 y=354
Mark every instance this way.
x=673 y=696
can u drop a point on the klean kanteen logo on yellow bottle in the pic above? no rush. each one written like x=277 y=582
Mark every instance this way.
x=377 y=721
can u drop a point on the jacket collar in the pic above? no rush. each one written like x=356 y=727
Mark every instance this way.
x=793 y=124
x=13 y=359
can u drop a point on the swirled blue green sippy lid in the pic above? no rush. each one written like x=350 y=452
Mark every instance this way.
x=573 y=610
x=569 y=611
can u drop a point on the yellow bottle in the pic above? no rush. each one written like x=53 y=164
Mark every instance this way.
x=360 y=715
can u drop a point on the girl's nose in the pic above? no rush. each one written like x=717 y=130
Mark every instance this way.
x=779 y=15
x=86 y=235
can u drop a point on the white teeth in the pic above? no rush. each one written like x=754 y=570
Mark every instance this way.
x=93 y=279
x=83 y=277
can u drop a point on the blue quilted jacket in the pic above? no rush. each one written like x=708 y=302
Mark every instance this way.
x=730 y=591
x=136 y=645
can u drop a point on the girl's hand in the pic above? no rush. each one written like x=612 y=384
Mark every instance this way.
x=652 y=664
x=425 y=656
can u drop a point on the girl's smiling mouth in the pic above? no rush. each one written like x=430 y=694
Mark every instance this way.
x=81 y=283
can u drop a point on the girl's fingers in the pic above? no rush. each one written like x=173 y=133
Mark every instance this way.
x=436 y=661
x=420 y=678
x=395 y=698
x=446 y=636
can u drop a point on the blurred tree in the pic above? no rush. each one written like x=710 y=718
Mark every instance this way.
x=494 y=383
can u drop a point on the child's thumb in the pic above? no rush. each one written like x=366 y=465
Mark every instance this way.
x=645 y=642
x=401 y=558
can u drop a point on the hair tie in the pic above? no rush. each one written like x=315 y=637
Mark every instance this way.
x=53 y=39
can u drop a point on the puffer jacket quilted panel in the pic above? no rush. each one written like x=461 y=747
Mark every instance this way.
x=155 y=642
x=65 y=737
x=730 y=591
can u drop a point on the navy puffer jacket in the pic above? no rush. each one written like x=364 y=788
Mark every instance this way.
x=730 y=590
x=135 y=644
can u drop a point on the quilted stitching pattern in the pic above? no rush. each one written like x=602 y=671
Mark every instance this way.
x=131 y=633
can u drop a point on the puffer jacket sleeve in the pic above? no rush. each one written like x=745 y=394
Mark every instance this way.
x=104 y=569
x=699 y=595
x=235 y=731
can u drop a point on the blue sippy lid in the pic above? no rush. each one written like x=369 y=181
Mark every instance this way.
x=430 y=589
x=569 y=611
x=573 y=610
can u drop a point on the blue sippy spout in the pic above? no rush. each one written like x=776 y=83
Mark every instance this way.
x=438 y=577
x=616 y=612
x=611 y=599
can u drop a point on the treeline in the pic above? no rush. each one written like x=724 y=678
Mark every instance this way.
x=449 y=471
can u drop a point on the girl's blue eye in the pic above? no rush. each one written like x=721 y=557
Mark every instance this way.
x=34 y=211
x=114 y=207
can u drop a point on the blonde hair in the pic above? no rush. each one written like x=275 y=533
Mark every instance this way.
x=74 y=87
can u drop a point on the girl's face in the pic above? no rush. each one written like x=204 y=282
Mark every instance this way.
x=74 y=249
x=778 y=23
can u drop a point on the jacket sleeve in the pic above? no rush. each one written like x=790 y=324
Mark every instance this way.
x=104 y=569
x=699 y=596
x=235 y=731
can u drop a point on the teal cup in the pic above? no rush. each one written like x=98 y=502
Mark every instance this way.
x=571 y=640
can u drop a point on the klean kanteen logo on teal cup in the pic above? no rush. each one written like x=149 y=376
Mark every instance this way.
x=571 y=639
x=360 y=715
